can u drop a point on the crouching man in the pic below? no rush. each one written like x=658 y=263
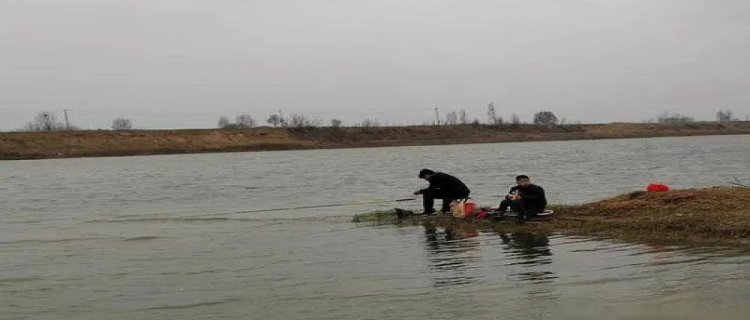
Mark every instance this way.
x=442 y=186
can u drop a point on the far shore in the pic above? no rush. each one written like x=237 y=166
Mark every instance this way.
x=100 y=143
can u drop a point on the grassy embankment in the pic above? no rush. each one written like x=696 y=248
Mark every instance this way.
x=66 y=144
x=712 y=215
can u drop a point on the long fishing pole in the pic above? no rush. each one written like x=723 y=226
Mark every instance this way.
x=355 y=203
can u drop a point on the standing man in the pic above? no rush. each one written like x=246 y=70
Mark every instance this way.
x=442 y=186
x=525 y=198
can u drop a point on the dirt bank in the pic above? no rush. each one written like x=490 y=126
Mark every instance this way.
x=65 y=144
x=68 y=144
x=710 y=215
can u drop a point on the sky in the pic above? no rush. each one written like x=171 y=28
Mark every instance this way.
x=185 y=63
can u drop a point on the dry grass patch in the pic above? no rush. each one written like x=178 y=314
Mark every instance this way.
x=720 y=213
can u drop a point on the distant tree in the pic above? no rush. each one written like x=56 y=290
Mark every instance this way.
x=297 y=121
x=674 y=119
x=724 y=115
x=301 y=121
x=369 y=123
x=45 y=121
x=476 y=123
x=244 y=121
x=451 y=119
x=462 y=117
x=515 y=120
x=223 y=122
x=336 y=123
x=546 y=118
x=275 y=120
x=122 y=124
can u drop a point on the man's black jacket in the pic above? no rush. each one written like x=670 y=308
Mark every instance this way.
x=444 y=185
x=532 y=195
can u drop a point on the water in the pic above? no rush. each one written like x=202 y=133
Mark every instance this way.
x=139 y=237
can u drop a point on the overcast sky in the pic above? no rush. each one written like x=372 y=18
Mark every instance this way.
x=184 y=63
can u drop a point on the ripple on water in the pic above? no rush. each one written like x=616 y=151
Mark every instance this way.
x=193 y=305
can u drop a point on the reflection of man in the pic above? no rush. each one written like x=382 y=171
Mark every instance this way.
x=451 y=251
x=530 y=249
x=442 y=186
x=531 y=244
x=525 y=198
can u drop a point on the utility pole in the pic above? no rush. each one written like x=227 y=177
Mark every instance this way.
x=437 y=115
x=67 y=122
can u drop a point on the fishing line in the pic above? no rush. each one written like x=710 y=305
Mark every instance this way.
x=355 y=203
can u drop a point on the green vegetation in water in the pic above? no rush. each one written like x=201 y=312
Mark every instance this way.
x=377 y=216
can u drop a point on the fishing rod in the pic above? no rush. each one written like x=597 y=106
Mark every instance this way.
x=355 y=203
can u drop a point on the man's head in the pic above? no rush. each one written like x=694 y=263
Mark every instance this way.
x=523 y=180
x=425 y=173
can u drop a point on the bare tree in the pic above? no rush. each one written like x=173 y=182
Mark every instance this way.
x=463 y=118
x=369 y=123
x=122 y=124
x=476 y=123
x=546 y=118
x=451 y=119
x=275 y=120
x=724 y=115
x=674 y=119
x=224 y=122
x=515 y=120
x=336 y=123
x=297 y=121
x=45 y=121
x=244 y=121
x=301 y=121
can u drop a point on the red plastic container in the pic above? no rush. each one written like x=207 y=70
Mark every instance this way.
x=483 y=214
x=657 y=187
x=469 y=208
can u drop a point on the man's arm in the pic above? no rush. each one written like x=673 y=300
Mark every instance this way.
x=536 y=194
x=434 y=185
x=509 y=196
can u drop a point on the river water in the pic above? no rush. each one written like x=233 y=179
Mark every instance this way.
x=155 y=237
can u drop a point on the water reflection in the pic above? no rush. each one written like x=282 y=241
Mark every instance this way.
x=452 y=253
x=528 y=247
x=530 y=250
